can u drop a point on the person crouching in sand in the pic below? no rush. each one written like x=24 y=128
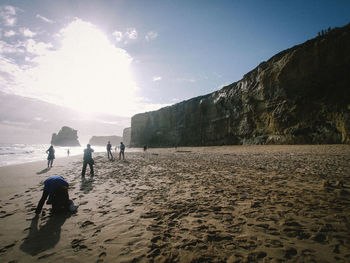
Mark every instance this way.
x=56 y=188
x=88 y=161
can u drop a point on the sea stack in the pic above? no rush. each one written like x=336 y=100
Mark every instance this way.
x=65 y=137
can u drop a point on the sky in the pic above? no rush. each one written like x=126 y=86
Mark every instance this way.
x=127 y=57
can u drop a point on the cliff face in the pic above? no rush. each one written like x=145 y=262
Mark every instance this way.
x=103 y=140
x=127 y=136
x=301 y=95
x=65 y=137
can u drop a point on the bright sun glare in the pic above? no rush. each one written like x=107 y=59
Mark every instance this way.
x=87 y=72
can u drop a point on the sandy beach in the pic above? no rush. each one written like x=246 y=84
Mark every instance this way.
x=203 y=204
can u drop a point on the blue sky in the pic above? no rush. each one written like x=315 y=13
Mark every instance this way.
x=146 y=54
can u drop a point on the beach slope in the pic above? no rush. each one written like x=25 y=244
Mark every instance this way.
x=205 y=204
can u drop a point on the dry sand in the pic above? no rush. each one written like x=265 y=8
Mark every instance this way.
x=205 y=204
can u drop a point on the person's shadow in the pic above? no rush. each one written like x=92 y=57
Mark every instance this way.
x=40 y=240
x=44 y=171
x=86 y=185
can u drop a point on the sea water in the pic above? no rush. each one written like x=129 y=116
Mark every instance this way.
x=24 y=153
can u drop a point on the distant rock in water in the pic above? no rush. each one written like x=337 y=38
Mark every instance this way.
x=65 y=137
x=299 y=96
x=103 y=140
x=127 y=136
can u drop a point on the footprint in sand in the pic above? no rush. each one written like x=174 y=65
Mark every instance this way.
x=16 y=196
x=46 y=255
x=101 y=256
x=4 y=214
x=5 y=248
x=87 y=223
x=77 y=244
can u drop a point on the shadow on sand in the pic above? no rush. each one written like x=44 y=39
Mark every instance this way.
x=86 y=185
x=44 y=238
x=44 y=170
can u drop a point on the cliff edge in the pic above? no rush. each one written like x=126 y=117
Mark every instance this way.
x=299 y=96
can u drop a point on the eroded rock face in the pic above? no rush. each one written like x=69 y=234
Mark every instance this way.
x=65 y=137
x=127 y=136
x=299 y=96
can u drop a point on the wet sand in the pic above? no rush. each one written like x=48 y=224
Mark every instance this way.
x=203 y=204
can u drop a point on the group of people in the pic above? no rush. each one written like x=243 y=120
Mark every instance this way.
x=87 y=156
x=88 y=160
x=56 y=187
x=109 y=150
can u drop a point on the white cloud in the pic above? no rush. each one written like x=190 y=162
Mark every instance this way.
x=37 y=48
x=9 y=33
x=40 y=119
x=85 y=72
x=9 y=70
x=156 y=78
x=151 y=35
x=44 y=19
x=8 y=15
x=129 y=34
x=6 y=48
x=27 y=32
x=118 y=35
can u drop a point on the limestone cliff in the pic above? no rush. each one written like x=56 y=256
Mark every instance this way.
x=299 y=96
x=65 y=137
x=127 y=136
x=103 y=140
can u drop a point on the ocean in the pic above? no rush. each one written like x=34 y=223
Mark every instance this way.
x=24 y=153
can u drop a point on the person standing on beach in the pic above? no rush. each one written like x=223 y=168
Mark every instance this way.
x=122 y=149
x=88 y=161
x=68 y=152
x=56 y=188
x=51 y=156
x=109 y=150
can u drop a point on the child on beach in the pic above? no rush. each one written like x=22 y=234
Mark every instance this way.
x=51 y=156
x=88 y=161
x=56 y=188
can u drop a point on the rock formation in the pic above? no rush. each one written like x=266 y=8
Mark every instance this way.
x=127 y=136
x=65 y=137
x=299 y=96
x=103 y=140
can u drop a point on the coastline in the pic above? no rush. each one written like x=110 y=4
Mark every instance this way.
x=191 y=204
x=12 y=154
x=19 y=177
